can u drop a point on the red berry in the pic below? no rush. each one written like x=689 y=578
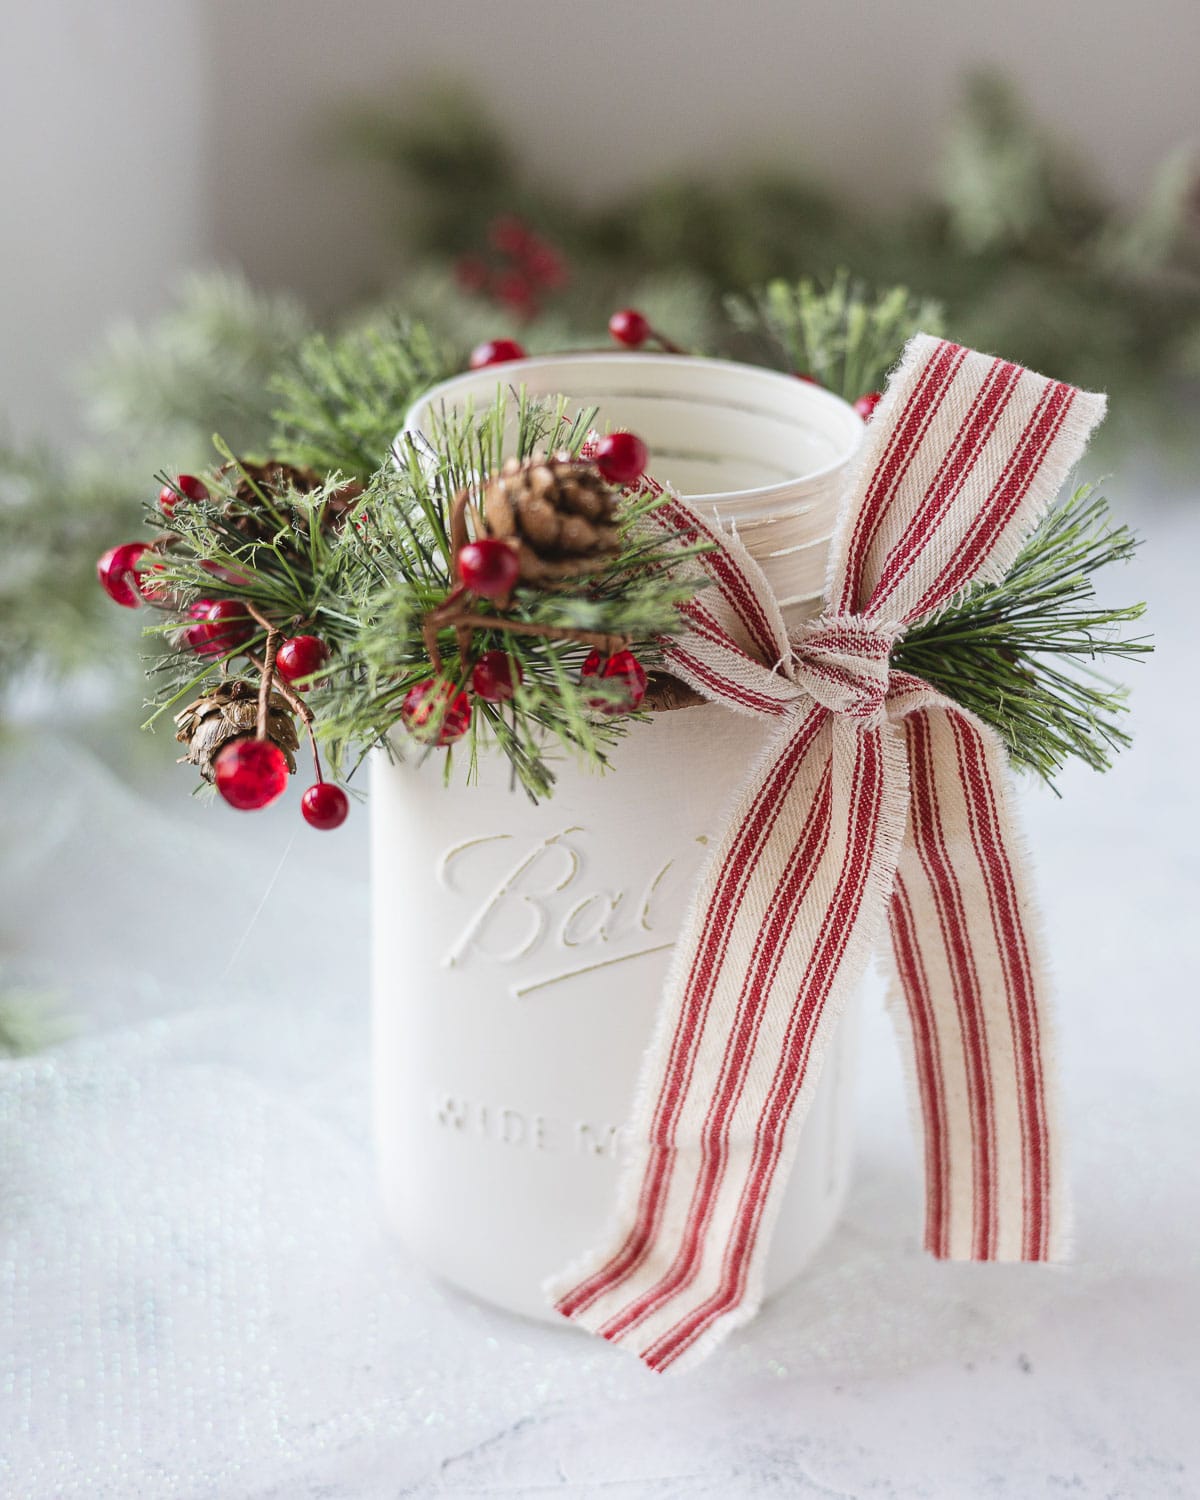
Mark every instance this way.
x=226 y=575
x=436 y=712
x=622 y=670
x=153 y=590
x=545 y=266
x=621 y=457
x=251 y=773
x=630 y=327
x=186 y=486
x=865 y=405
x=301 y=656
x=325 y=806
x=489 y=568
x=117 y=571
x=221 y=626
x=471 y=273
x=807 y=379
x=194 y=636
x=516 y=291
x=496 y=677
x=495 y=352
x=510 y=235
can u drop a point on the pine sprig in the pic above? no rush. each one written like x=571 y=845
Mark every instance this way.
x=1019 y=654
x=399 y=567
x=841 y=333
x=366 y=586
x=341 y=400
x=205 y=365
x=288 y=571
x=55 y=517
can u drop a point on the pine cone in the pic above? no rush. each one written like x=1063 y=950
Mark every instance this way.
x=559 y=512
x=664 y=693
x=247 y=513
x=228 y=713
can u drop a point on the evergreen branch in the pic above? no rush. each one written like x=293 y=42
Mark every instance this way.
x=841 y=334
x=341 y=401
x=374 y=585
x=369 y=585
x=204 y=364
x=55 y=519
x=1018 y=653
x=408 y=545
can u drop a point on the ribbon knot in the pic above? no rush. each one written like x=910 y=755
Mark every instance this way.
x=876 y=802
x=843 y=663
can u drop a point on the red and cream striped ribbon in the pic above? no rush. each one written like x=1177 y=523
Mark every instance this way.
x=876 y=798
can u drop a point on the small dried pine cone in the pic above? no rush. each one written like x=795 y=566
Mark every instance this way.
x=560 y=514
x=230 y=712
x=664 y=692
x=255 y=521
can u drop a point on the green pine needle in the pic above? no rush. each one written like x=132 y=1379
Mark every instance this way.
x=1019 y=654
x=341 y=401
x=844 y=335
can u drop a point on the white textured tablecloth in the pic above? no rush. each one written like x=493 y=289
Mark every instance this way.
x=198 y=1299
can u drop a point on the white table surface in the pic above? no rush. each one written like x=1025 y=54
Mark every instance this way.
x=198 y=1298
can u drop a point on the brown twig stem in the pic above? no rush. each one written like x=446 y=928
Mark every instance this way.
x=266 y=668
x=600 y=640
x=666 y=344
x=298 y=707
x=268 y=678
x=458 y=523
x=455 y=613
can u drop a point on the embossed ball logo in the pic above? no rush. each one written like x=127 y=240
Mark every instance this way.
x=535 y=905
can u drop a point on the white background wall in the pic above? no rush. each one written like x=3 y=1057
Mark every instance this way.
x=145 y=136
x=103 y=181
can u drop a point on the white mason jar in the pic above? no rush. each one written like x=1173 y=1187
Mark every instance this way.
x=520 y=951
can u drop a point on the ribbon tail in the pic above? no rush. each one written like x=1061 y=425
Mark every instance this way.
x=782 y=928
x=970 y=1001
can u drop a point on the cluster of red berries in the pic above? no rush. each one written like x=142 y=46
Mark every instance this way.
x=519 y=270
x=122 y=574
x=249 y=773
x=438 y=712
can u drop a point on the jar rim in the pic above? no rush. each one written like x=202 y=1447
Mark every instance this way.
x=843 y=426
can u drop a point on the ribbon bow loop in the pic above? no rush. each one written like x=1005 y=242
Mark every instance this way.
x=843 y=663
x=876 y=801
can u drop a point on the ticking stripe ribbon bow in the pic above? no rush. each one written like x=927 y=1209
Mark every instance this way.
x=875 y=796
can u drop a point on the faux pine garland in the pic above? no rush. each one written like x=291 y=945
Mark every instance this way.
x=366 y=587
x=358 y=556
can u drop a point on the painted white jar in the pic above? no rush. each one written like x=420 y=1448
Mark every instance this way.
x=519 y=951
